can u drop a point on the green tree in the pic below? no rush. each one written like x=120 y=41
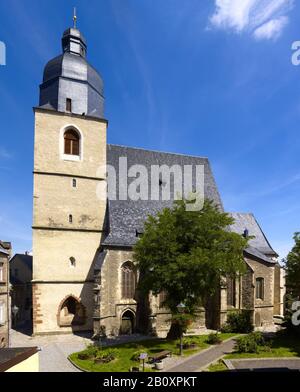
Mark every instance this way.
x=186 y=254
x=293 y=268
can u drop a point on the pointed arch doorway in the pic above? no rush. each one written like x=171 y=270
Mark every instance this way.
x=71 y=312
x=127 y=323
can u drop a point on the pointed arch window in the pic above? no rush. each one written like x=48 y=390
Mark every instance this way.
x=162 y=296
x=71 y=142
x=128 y=280
x=260 y=288
x=231 y=291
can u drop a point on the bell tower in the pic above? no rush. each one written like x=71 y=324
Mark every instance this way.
x=69 y=166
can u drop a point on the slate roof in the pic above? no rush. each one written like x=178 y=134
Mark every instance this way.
x=126 y=217
x=259 y=246
x=70 y=75
x=5 y=247
x=4 y=251
x=26 y=259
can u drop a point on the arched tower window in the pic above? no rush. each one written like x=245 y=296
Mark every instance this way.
x=128 y=280
x=71 y=142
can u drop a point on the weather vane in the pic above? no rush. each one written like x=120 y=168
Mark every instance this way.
x=74 y=18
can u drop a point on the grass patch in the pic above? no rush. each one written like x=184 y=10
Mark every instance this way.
x=127 y=351
x=281 y=346
x=217 y=367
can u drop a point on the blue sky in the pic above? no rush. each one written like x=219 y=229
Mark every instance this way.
x=208 y=78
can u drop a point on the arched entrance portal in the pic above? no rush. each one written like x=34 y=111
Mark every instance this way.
x=127 y=323
x=71 y=312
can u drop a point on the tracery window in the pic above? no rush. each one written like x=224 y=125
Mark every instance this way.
x=128 y=280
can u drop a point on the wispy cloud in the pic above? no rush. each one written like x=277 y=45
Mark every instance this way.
x=235 y=199
x=35 y=34
x=4 y=154
x=272 y=188
x=263 y=19
x=271 y=29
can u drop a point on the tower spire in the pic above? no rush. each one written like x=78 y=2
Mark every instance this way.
x=74 y=17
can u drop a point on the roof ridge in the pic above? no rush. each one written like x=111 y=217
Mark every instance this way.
x=159 y=151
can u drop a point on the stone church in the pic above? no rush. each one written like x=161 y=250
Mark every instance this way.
x=83 y=273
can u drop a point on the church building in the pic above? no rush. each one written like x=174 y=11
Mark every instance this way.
x=84 y=278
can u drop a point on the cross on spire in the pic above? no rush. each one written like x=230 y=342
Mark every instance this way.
x=74 y=18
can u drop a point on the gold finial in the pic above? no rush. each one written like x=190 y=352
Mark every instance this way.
x=74 y=18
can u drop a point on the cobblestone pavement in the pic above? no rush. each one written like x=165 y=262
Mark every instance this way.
x=55 y=349
x=201 y=360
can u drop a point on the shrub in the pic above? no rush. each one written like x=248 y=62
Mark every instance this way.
x=106 y=356
x=111 y=354
x=83 y=356
x=250 y=343
x=246 y=344
x=213 y=338
x=258 y=337
x=226 y=328
x=91 y=351
x=189 y=342
x=238 y=322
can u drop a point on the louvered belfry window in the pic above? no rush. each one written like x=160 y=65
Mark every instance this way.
x=71 y=139
x=69 y=105
x=128 y=280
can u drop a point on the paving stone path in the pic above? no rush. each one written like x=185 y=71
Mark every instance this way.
x=55 y=349
x=201 y=360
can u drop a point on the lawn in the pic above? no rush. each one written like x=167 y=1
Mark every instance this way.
x=281 y=346
x=124 y=362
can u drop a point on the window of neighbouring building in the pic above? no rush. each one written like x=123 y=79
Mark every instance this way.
x=260 y=288
x=1 y=272
x=2 y=313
